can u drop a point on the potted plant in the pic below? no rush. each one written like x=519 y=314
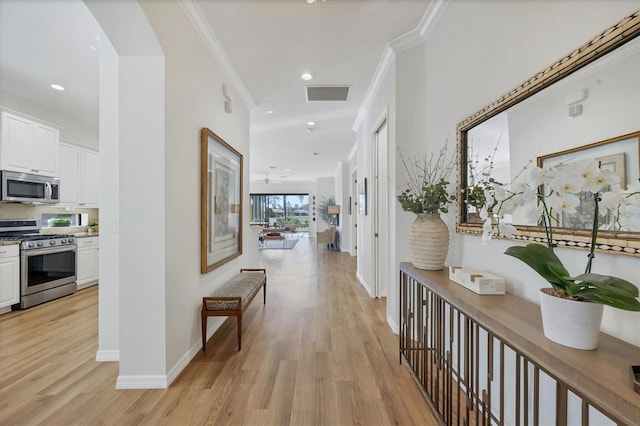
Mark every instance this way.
x=426 y=195
x=323 y=209
x=59 y=221
x=92 y=226
x=545 y=194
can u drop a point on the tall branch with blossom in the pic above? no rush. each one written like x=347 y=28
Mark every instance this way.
x=427 y=181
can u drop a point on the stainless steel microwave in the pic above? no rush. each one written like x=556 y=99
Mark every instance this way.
x=28 y=188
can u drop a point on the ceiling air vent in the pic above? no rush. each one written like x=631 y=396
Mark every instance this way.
x=327 y=93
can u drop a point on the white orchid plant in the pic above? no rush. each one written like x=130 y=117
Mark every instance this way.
x=543 y=195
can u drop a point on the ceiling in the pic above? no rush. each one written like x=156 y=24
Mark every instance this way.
x=269 y=44
x=44 y=42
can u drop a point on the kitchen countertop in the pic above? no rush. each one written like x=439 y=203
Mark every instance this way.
x=85 y=235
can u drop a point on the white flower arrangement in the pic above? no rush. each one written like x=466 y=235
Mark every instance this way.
x=545 y=194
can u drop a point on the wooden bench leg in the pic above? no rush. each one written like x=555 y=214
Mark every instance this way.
x=204 y=332
x=239 y=317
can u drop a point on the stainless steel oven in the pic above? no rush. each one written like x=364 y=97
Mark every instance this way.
x=48 y=271
x=48 y=263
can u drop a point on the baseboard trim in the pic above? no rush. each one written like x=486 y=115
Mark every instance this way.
x=364 y=284
x=184 y=361
x=104 y=356
x=142 y=382
x=394 y=325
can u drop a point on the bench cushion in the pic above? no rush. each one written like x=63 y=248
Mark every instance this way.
x=243 y=285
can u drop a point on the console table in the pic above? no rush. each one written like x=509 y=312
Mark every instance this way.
x=484 y=360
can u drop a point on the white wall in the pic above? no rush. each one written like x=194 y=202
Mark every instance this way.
x=109 y=289
x=143 y=341
x=477 y=52
x=194 y=100
x=382 y=104
x=134 y=118
x=343 y=192
x=163 y=100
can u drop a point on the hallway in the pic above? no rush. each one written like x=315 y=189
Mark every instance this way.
x=320 y=352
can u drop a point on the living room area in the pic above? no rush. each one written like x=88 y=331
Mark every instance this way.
x=280 y=219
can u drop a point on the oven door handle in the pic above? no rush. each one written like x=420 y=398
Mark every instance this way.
x=49 y=250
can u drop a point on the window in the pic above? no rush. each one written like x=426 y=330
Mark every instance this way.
x=54 y=219
x=280 y=209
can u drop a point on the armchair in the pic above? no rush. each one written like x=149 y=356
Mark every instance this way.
x=327 y=236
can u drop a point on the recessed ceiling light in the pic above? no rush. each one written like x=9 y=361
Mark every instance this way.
x=287 y=170
x=57 y=87
x=306 y=76
x=311 y=123
x=269 y=112
x=315 y=153
x=273 y=167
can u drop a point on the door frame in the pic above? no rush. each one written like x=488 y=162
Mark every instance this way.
x=380 y=205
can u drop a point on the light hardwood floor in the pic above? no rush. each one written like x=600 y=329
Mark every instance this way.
x=319 y=353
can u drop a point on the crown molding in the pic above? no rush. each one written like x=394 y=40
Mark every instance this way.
x=430 y=17
x=422 y=31
x=199 y=22
x=410 y=39
x=405 y=41
x=381 y=70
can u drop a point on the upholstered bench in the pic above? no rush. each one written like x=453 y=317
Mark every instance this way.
x=233 y=298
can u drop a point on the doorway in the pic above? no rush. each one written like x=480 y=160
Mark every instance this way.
x=380 y=209
x=353 y=211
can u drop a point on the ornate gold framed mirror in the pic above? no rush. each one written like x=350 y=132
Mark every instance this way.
x=587 y=97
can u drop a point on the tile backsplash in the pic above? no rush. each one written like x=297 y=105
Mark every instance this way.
x=31 y=211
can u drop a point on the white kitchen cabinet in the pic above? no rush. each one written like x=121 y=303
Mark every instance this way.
x=90 y=177
x=69 y=174
x=79 y=176
x=27 y=146
x=9 y=275
x=87 y=267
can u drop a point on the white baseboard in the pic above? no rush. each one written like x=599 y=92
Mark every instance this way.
x=87 y=285
x=394 y=326
x=185 y=360
x=364 y=284
x=142 y=382
x=113 y=355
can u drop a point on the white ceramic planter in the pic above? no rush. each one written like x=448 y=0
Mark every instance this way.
x=428 y=242
x=569 y=322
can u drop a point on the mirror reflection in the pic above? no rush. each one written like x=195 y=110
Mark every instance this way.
x=594 y=113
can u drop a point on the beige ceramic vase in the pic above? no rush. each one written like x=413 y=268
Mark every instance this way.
x=429 y=242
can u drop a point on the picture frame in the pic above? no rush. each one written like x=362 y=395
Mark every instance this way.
x=221 y=169
x=362 y=196
x=621 y=155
